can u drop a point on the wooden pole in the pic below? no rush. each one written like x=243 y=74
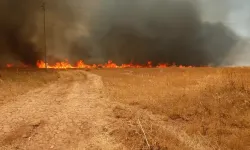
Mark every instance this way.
x=44 y=30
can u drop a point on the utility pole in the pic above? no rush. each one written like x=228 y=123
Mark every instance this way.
x=44 y=30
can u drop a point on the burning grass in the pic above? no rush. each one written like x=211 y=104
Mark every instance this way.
x=209 y=103
x=15 y=82
x=82 y=65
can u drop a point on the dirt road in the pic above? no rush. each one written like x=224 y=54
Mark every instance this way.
x=68 y=114
x=71 y=113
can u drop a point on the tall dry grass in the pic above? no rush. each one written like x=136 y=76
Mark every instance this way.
x=212 y=104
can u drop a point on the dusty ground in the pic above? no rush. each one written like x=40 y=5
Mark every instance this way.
x=14 y=82
x=67 y=114
x=193 y=108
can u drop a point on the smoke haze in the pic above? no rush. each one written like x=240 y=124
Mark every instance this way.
x=16 y=29
x=170 y=31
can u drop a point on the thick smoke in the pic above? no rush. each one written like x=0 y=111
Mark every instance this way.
x=17 y=26
x=22 y=24
x=169 y=31
x=161 y=31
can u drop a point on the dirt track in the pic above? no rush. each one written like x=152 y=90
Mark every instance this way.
x=72 y=113
x=68 y=114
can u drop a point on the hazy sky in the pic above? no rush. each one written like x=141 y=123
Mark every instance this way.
x=234 y=13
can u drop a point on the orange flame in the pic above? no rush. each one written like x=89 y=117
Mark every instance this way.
x=161 y=65
x=9 y=65
x=110 y=64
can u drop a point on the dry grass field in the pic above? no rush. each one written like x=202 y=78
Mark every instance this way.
x=14 y=82
x=209 y=104
x=179 y=108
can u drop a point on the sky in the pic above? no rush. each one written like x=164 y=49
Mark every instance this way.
x=233 y=13
x=236 y=15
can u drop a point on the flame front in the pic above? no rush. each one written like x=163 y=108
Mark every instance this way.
x=82 y=65
x=110 y=64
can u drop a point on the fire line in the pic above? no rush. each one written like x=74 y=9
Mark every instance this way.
x=82 y=65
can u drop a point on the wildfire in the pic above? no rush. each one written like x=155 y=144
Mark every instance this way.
x=81 y=64
x=9 y=65
x=19 y=66
x=109 y=64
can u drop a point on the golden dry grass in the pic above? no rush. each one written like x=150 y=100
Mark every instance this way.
x=15 y=82
x=209 y=103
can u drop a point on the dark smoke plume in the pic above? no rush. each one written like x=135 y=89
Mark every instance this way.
x=169 y=31
x=21 y=21
x=161 y=31
x=17 y=27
